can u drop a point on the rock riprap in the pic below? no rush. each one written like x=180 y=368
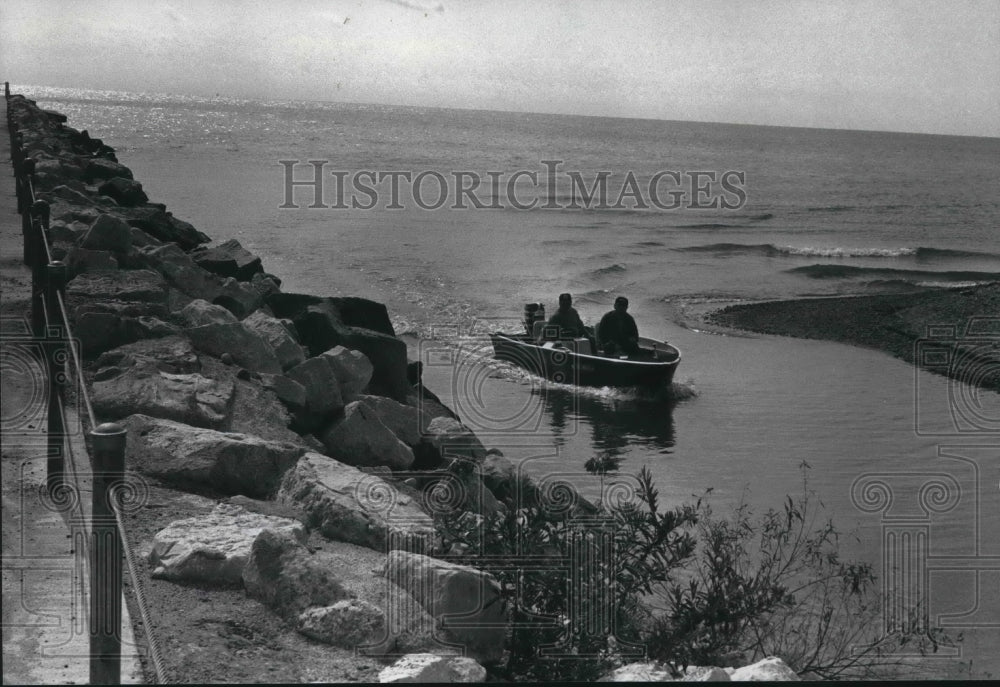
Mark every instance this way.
x=433 y=668
x=346 y=504
x=466 y=602
x=188 y=456
x=213 y=548
x=284 y=575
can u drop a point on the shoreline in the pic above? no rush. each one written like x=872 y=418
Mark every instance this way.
x=963 y=322
x=201 y=621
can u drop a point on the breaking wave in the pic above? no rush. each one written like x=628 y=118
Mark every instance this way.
x=771 y=250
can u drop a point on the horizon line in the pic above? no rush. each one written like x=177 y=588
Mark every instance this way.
x=507 y=111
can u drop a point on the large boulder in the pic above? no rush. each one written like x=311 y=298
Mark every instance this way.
x=349 y=623
x=361 y=439
x=229 y=259
x=323 y=399
x=387 y=355
x=126 y=192
x=265 y=284
x=405 y=421
x=238 y=297
x=275 y=333
x=453 y=439
x=770 y=669
x=705 y=674
x=62 y=210
x=173 y=354
x=346 y=504
x=161 y=225
x=355 y=323
x=641 y=672
x=288 y=391
x=352 y=370
x=58 y=169
x=200 y=312
x=141 y=286
x=72 y=191
x=108 y=233
x=188 y=456
x=107 y=307
x=82 y=260
x=100 y=168
x=213 y=548
x=466 y=602
x=102 y=328
x=144 y=388
x=247 y=348
x=351 y=311
x=285 y=576
x=181 y=272
x=256 y=409
x=434 y=669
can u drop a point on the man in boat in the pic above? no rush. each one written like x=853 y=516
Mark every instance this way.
x=617 y=334
x=567 y=319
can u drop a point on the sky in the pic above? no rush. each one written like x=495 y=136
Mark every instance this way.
x=888 y=65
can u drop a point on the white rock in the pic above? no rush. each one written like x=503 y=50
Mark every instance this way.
x=467 y=602
x=768 y=669
x=640 y=672
x=433 y=668
x=187 y=456
x=346 y=504
x=214 y=547
x=705 y=674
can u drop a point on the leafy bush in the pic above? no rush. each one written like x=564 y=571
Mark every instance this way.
x=589 y=591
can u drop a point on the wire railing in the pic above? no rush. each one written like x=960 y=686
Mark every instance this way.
x=107 y=544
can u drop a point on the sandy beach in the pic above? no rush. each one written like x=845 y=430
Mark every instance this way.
x=899 y=324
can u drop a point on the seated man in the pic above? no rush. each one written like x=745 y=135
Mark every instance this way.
x=617 y=334
x=566 y=318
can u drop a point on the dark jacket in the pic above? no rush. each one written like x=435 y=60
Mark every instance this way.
x=618 y=328
x=569 y=322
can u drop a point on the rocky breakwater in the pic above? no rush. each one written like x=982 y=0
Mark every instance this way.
x=298 y=415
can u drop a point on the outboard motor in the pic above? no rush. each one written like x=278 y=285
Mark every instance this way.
x=533 y=312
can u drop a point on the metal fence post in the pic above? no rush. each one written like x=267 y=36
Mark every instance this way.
x=106 y=555
x=22 y=169
x=23 y=207
x=37 y=260
x=56 y=341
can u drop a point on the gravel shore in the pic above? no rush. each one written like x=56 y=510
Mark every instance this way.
x=966 y=321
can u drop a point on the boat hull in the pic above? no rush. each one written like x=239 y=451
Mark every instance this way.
x=561 y=364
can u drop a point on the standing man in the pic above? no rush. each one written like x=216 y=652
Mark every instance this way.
x=617 y=334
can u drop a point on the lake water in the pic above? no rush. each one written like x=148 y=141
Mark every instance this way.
x=891 y=449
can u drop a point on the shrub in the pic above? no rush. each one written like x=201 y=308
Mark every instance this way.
x=680 y=586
